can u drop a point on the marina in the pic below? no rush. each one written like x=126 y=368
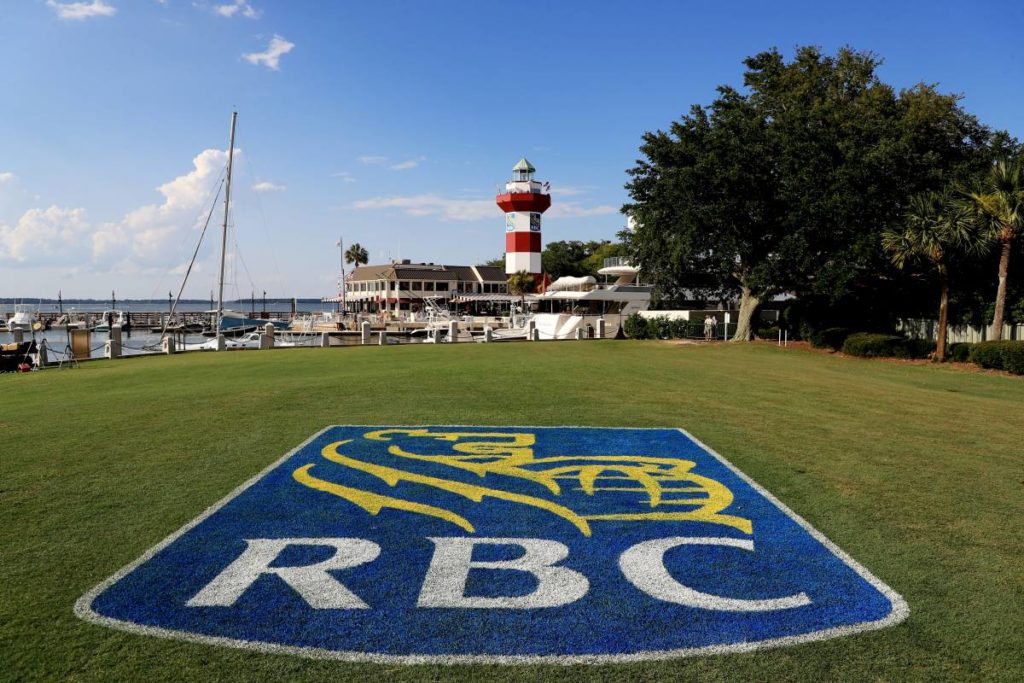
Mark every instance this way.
x=397 y=303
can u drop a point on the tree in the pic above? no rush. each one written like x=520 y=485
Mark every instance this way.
x=934 y=227
x=1000 y=202
x=788 y=185
x=705 y=205
x=577 y=258
x=497 y=262
x=356 y=255
x=521 y=284
x=563 y=258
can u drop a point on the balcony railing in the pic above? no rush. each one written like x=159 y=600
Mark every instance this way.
x=617 y=262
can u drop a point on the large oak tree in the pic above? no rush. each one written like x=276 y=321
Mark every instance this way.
x=787 y=184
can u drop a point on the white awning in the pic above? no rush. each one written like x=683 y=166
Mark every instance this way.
x=568 y=282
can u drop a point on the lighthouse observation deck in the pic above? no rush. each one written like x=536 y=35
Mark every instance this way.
x=524 y=195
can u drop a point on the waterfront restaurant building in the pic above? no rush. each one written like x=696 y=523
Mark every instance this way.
x=400 y=287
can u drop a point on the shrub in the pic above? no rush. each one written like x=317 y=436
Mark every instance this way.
x=829 y=338
x=637 y=327
x=660 y=327
x=918 y=348
x=959 y=352
x=869 y=345
x=999 y=355
x=680 y=328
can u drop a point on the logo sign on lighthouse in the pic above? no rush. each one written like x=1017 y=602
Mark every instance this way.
x=523 y=202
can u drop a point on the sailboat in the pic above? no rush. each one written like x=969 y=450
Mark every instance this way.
x=230 y=323
x=225 y=322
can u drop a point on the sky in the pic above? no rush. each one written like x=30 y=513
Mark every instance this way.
x=385 y=123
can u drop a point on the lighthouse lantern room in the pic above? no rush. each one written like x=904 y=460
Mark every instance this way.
x=523 y=202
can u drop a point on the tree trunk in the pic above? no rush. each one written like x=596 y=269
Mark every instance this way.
x=745 y=319
x=1004 y=268
x=940 y=344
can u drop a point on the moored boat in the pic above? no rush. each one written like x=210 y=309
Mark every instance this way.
x=24 y=316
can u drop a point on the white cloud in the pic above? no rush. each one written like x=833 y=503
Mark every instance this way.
x=56 y=234
x=469 y=209
x=239 y=7
x=267 y=186
x=148 y=237
x=432 y=205
x=567 y=190
x=574 y=210
x=78 y=11
x=407 y=164
x=6 y=177
x=345 y=176
x=375 y=160
x=272 y=56
x=147 y=234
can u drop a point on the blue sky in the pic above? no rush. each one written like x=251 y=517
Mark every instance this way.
x=387 y=123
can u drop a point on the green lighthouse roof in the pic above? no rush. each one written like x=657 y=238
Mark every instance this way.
x=524 y=165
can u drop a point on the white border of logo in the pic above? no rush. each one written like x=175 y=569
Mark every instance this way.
x=900 y=609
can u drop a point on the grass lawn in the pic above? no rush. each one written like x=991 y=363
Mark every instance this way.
x=917 y=471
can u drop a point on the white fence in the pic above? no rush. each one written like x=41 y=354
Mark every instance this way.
x=929 y=329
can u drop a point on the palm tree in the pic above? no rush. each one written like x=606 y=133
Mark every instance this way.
x=1000 y=202
x=934 y=226
x=356 y=255
x=521 y=283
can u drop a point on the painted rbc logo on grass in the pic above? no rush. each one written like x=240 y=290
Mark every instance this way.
x=497 y=544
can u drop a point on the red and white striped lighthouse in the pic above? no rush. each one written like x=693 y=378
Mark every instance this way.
x=523 y=202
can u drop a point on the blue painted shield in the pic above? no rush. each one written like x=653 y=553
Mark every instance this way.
x=501 y=544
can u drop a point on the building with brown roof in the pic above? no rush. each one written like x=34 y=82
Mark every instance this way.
x=403 y=285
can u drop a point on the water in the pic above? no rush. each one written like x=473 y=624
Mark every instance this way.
x=144 y=342
x=78 y=306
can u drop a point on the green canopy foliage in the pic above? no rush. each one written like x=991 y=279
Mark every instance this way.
x=578 y=258
x=356 y=255
x=787 y=184
x=521 y=283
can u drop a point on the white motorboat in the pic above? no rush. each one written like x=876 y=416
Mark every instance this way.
x=250 y=340
x=110 y=319
x=573 y=303
x=439 y=319
x=24 y=316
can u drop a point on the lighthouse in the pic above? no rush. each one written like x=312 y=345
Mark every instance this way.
x=523 y=202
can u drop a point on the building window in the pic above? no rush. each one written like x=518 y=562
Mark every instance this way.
x=417 y=286
x=442 y=286
x=428 y=286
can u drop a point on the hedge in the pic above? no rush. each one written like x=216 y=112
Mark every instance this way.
x=959 y=352
x=868 y=345
x=830 y=338
x=662 y=327
x=999 y=355
x=636 y=327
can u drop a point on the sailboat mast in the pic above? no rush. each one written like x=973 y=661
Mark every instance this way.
x=224 y=231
